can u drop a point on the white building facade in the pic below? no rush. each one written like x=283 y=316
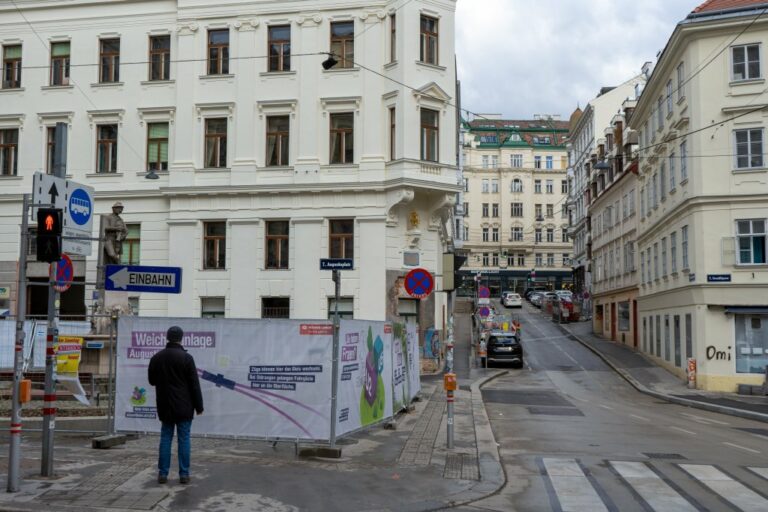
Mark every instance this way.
x=267 y=162
x=704 y=200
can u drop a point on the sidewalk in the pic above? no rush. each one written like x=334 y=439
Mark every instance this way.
x=406 y=469
x=649 y=378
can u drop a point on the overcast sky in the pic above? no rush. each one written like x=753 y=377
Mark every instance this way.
x=525 y=57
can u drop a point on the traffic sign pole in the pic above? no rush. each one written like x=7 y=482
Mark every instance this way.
x=49 y=396
x=14 y=448
x=335 y=362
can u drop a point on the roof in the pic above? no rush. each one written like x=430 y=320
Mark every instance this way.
x=493 y=133
x=720 y=5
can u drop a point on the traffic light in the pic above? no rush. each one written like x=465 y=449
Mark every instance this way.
x=49 y=223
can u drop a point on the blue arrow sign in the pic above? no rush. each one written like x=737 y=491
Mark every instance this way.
x=336 y=264
x=134 y=278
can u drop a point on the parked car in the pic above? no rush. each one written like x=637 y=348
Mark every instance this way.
x=562 y=309
x=504 y=347
x=529 y=291
x=536 y=298
x=546 y=302
x=504 y=294
x=513 y=300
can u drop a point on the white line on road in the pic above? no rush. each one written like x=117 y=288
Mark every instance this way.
x=655 y=491
x=763 y=472
x=704 y=420
x=741 y=447
x=683 y=430
x=639 y=417
x=573 y=489
x=606 y=407
x=740 y=495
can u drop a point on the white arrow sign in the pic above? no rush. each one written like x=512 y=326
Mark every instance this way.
x=143 y=279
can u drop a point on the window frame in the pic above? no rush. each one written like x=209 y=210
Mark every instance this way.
x=219 y=64
x=217 y=241
x=348 y=239
x=392 y=132
x=393 y=38
x=281 y=61
x=344 y=41
x=60 y=78
x=220 y=143
x=130 y=244
x=164 y=58
x=746 y=62
x=342 y=133
x=430 y=136
x=282 y=240
x=9 y=153
x=429 y=40
x=158 y=141
x=751 y=236
x=109 y=61
x=750 y=155
x=282 y=142
x=11 y=66
x=110 y=146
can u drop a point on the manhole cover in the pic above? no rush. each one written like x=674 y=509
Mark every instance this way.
x=675 y=456
x=555 y=411
x=503 y=396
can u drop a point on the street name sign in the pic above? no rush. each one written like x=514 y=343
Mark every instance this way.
x=718 y=278
x=134 y=278
x=76 y=202
x=336 y=264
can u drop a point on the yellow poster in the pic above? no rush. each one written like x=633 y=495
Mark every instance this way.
x=68 y=351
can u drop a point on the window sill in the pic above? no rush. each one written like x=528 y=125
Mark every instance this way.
x=669 y=115
x=747 y=81
x=672 y=191
x=107 y=85
x=341 y=167
x=277 y=74
x=436 y=67
x=12 y=89
x=680 y=100
x=56 y=87
x=143 y=174
x=158 y=82
x=213 y=169
x=10 y=177
x=341 y=70
x=104 y=174
x=748 y=170
x=213 y=269
x=749 y=266
x=216 y=77
x=276 y=168
x=390 y=65
x=684 y=182
x=276 y=269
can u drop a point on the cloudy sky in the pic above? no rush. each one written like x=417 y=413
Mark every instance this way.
x=525 y=57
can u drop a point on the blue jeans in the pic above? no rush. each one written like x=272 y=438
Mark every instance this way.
x=166 y=439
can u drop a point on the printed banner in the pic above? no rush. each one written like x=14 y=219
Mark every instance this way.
x=259 y=378
x=68 y=351
x=365 y=374
x=400 y=378
x=414 y=363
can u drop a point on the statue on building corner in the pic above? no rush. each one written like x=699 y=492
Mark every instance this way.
x=114 y=233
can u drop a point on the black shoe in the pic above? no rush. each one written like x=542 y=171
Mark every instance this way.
x=162 y=479
x=184 y=479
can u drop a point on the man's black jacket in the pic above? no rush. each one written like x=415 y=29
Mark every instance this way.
x=172 y=371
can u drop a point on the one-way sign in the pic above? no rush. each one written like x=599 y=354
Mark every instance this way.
x=133 y=278
x=336 y=264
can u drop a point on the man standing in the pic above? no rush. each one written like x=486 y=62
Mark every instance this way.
x=173 y=373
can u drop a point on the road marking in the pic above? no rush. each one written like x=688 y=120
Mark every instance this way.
x=639 y=417
x=740 y=495
x=704 y=420
x=683 y=430
x=574 y=491
x=741 y=447
x=606 y=407
x=655 y=491
x=763 y=472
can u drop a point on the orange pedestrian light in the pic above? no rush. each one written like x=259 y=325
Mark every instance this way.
x=49 y=222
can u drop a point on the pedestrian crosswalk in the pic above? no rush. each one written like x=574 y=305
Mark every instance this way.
x=650 y=486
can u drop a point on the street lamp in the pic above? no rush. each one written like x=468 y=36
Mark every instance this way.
x=329 y=62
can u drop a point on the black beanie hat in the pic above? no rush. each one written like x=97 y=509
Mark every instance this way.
x=175 y=334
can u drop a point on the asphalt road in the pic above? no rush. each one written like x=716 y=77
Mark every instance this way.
x=574 y=436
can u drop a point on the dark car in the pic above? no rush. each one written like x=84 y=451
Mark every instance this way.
x=504 y=347
x=529 y=291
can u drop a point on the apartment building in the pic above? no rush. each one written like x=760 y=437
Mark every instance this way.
x=587 y=127
x=265 y=159
x=515 y=186
x=704 y=198
x=613 y=211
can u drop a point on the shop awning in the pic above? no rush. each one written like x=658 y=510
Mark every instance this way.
x=747 y=310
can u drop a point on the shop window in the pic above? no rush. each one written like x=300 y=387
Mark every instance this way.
x=751 y=344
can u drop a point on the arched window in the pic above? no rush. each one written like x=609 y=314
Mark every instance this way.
x=517 y=185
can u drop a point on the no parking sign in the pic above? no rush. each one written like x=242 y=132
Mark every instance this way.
x=65 y=272
x=419 y=283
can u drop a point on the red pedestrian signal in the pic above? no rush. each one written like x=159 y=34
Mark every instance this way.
x=49 y=222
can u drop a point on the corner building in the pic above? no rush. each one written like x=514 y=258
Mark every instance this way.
x=267 y=162
x=703 y=197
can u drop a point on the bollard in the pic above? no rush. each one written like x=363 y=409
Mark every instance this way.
x=449 y=383
x=691 y=373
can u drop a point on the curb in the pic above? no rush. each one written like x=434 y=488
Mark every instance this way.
x=492 y=475
x=722 y=409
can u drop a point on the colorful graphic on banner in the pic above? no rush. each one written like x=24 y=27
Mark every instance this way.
x=399 y=367
x=431 y=344
x=259 y=378
x=68 y=351
x=365 y=374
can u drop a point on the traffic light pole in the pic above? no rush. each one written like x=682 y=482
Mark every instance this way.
x=49 y=396
x=14 y=448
